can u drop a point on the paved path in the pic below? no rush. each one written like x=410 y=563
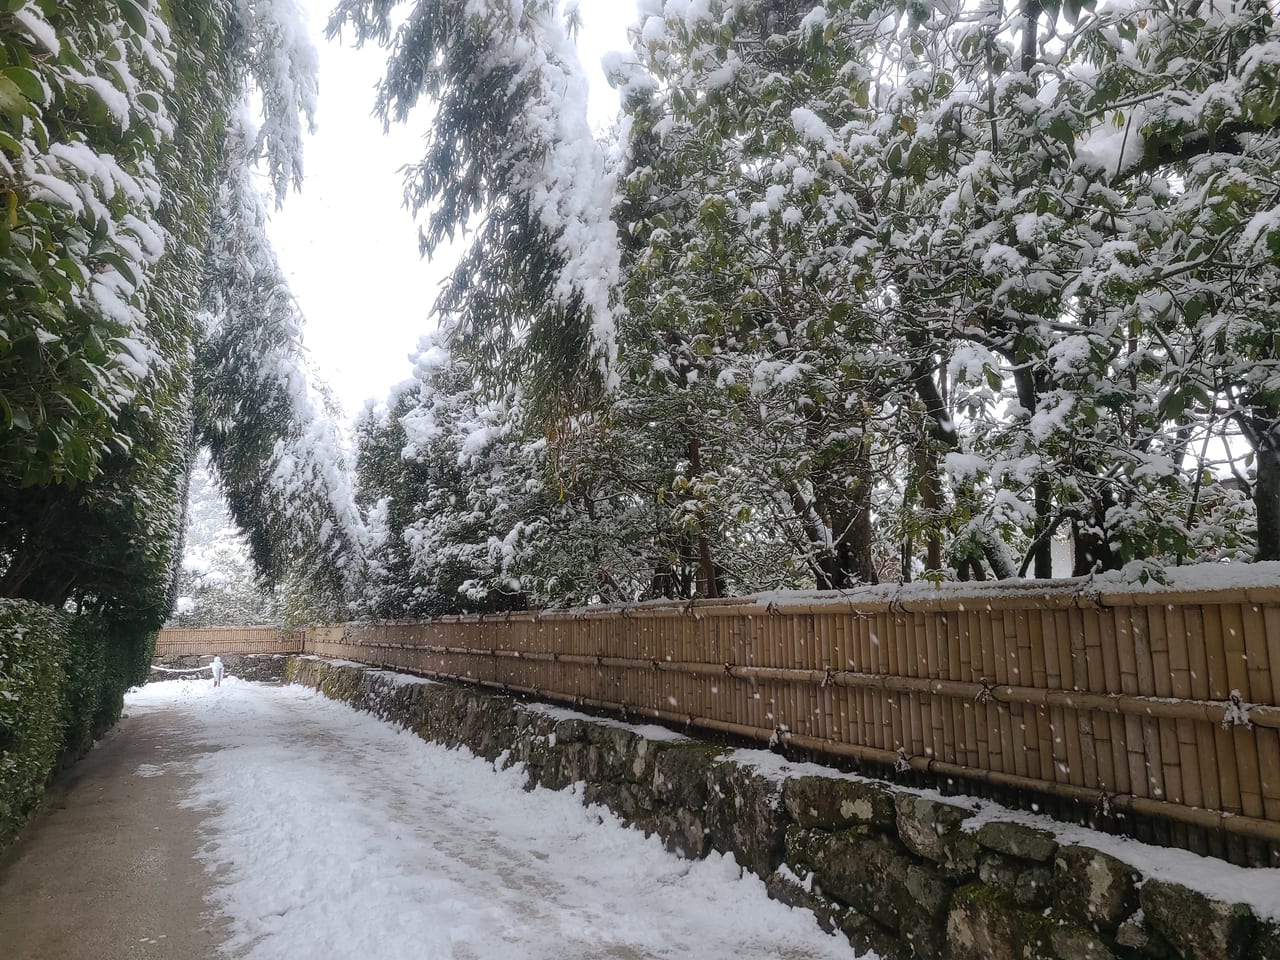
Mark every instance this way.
x=332 y=836
x=106 y=872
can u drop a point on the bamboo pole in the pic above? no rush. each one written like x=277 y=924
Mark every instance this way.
x=1261 y=671
x=952 y=666
x=1029 y=595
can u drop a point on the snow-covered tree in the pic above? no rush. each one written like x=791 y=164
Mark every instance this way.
x=436 y=481
x=80 y=129
x=218 y=584
x=902 y=290
x=509 y=156
x=121 y=146
x=934 y=175
x=271 y=432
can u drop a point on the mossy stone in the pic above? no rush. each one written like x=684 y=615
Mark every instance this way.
x=680 y=774
x=1194 y=925
x=877 y=878
x=1266 y=944
x=744 y=816
x=1093 y=888
x=1017 y=840
x=830 y=803
x=932 y=829
x=984 y=923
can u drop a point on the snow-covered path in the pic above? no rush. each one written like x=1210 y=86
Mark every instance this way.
x=331 y=834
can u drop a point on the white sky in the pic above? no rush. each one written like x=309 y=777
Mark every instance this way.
x=346 y=243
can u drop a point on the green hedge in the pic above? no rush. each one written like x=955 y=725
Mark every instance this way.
x=62 y=683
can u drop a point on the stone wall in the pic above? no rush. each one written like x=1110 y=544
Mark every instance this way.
x=262 y=667
x=899 y=871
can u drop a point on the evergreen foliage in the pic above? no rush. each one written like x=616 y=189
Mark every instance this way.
x=509 y=154
x=903 y=290
x=127 y=168
x=32 y=701
x=62 y=679
x=132 y=248
x=217 y=583
x=269 y=431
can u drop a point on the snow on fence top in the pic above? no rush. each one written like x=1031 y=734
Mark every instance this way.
x=1258 y=582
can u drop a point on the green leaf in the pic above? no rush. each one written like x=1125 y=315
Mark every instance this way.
x=1073 y=8
x=26 y=81
x=127 y=269
x=893 y=159
x=1193 y=310
x=134 y=16
x=12 y=101
x=1172 y=406
x=40 y=132
x=1060 y=129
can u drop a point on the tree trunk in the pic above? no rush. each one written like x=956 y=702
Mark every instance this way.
x=663 y=583
x=1266 y=491
x=708 y=575
x=943 y=429
x=850 y=557
x=997 y=554
x=850 y=561
x=941 y=435
x=15 y=575
x=1044 y=551
x=855 y=554
x=930 y=502
x=29 y=579
x=1092 y=549
x=1030 y=385
x=1031 y=10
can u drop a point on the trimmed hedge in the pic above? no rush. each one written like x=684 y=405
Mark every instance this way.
x=62 y=682
x=33 y=706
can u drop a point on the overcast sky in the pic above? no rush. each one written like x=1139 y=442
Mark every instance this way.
x=346 y=243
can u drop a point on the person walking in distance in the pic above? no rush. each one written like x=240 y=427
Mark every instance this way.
x=217 y=668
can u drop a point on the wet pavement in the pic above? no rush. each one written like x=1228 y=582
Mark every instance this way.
x=106 y=871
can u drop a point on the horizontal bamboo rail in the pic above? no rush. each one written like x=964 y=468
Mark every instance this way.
x=1262 y=716
x=1158 y=704
x=209 y=641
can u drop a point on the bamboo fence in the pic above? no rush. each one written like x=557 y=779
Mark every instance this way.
x=207 y=641
x=1152 y=712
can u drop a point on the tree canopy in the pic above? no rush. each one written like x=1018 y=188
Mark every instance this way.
x=902 y=290
x=144 y=312
x=852 y=290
